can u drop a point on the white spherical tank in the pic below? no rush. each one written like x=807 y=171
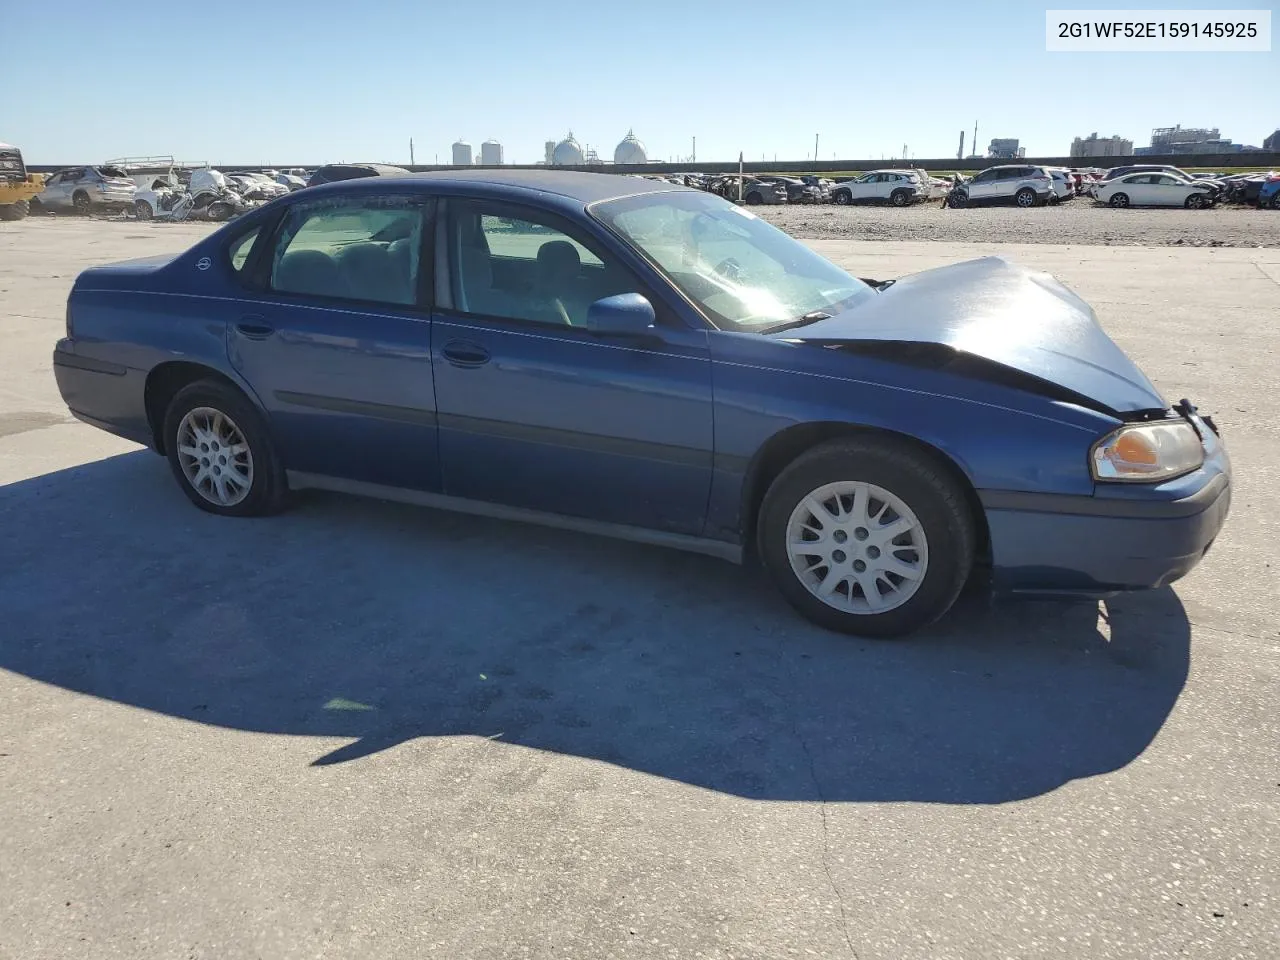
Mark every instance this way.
x=567 y=153
x=630 y=150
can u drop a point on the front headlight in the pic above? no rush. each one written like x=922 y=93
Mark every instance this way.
x=1148 y=452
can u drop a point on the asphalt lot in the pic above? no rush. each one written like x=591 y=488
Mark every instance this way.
x=367 y=730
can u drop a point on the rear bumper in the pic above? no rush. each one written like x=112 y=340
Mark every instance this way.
x=1098 y=546
x=105 y=395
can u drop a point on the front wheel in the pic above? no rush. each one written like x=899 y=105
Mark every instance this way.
x=842 y=197
x=754 y=199
x=142 y=209
x=1194 y=202
x=81 y=203
x=221 y=453
x=900 y=198
x=956 y=202
x=867 y=536
x=14 y=211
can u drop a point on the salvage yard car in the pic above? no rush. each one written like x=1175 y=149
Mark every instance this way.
x=86 y=190
x=651 y=362
x=1022 y=184
x=898 y=187
x=1156 y=190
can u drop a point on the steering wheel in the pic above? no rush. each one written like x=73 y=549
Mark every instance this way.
x=731 y=270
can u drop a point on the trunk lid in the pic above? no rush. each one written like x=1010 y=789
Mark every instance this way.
x=1004 y=314
x=122 y=275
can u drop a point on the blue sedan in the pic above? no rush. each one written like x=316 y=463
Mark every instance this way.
x=646 y=361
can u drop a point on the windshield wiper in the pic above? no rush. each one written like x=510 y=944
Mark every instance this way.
x=813 y=316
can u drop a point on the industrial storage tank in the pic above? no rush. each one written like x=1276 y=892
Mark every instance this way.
x=491 y=153
x=462 y=154
x=567 y=153
x=630 y=150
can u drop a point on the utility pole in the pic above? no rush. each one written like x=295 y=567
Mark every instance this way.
x=815 y=148
x=411 y=151
x=975 y=138
x=694 y=158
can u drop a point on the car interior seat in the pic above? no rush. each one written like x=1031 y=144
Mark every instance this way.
x=310 y=271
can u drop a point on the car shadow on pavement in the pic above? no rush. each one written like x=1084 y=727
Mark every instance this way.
x=383 y=623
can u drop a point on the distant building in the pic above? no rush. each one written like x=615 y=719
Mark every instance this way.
x=630 y=150
x=462 y=154
x=567 y=153
x=1095 y=146
x=1166 y=139
x=1272 y=143
x=550 y=150
x=1004 y=148
x=491 y=153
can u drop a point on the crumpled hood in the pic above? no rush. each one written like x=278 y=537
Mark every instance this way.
x=1003 y=313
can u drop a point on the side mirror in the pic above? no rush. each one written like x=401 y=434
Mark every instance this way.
x=624 y=315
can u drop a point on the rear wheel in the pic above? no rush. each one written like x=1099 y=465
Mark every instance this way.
x=1119 y=200
x=142 y=209
x=14 y=211
x=221 y=453
x=754 y=199
x=81 y=203
x=218 y=210
x=1275 y=202
x=1026 y=197
x=842 y=197
x=900 y=198
x=867 y=536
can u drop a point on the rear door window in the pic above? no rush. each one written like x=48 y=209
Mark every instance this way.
x=365 y=249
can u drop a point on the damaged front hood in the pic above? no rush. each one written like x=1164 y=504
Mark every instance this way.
x=1001 y=313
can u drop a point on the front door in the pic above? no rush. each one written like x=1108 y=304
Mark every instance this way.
x=335 y=344
x=537 y=412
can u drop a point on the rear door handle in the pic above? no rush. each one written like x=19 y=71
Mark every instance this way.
x=463 y=353
x=255 y=328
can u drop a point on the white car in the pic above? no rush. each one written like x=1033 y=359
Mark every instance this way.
x=1025 y=185
x=898 y=187
x=1064 y=187
x=1156 y=190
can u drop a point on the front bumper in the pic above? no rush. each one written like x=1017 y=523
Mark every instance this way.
x=1123 y=538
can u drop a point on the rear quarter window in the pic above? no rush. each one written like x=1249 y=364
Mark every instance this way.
x=240 y=248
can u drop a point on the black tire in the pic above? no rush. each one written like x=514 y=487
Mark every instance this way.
x=14 y=211
x=754 y=199
x=956 y=202
x=35 y=206
x=268 y=488
x=81 y=203
x=1275 y=202
x=925 y=487
x=142 y=210
x=842 y=197
x=1119 y=200
x=900 y=198
x=1026 y=197
x=219 y=211
x=1194 y=202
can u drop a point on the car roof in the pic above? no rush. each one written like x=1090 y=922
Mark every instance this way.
x=585 y=188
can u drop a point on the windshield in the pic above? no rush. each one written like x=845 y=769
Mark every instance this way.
x=745 y=274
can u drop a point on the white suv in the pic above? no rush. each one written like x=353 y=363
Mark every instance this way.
x=1020 y=183
x=898 y=187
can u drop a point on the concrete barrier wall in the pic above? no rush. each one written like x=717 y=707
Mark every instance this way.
x=1221 y=161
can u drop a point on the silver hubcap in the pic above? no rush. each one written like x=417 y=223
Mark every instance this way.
x=215 y=456
x=857 y=547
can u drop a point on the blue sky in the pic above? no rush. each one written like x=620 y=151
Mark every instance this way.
x=330 y=80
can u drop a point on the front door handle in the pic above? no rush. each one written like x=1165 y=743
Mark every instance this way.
x=255 y=328
x=463 y=353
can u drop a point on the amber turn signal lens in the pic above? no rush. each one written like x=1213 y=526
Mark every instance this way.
x=1134 y=448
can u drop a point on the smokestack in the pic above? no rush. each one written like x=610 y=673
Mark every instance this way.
x=960 y=155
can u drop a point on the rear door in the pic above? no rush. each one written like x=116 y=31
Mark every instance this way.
x=535 y=410
x=1169 y=191
x=335 y=343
